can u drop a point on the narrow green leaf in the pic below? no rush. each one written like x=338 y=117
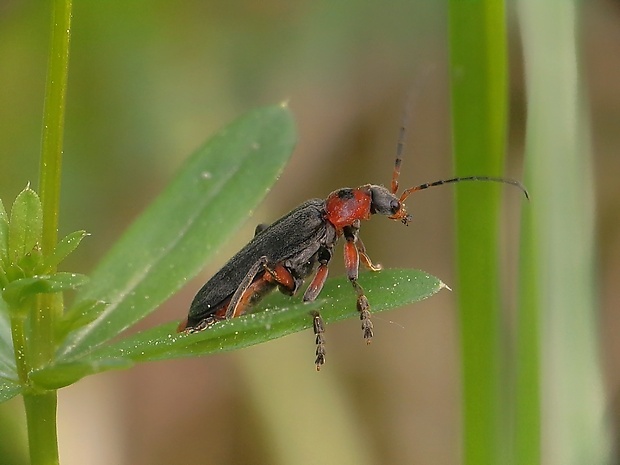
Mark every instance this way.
x=17 y=290
x=7 y=356
x=25 y=226
x=560 y=255
x=67 y=245
x=8 y=372
x=79 y=315
x=478 y=64
x=69 y=373
x=8 y=389
x=4 y=246
x=4 y=235
x=171 y=241
x=527 y=396
x=277 y=316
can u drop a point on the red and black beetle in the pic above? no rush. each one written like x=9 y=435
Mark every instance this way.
x=301 y=244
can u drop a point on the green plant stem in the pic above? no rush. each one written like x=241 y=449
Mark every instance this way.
x=478 y=85
x=50 y=306
x=41 y=406
x=54 y=121
x=41 y=423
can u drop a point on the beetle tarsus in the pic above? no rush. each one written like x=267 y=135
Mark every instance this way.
x=364 y=256
x=363 y=307
x=204 y=324
x=319 y=332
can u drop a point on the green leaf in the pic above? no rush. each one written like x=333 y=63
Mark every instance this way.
x=478 y=63
x=9 y=389
x=563 y=407
x=8 y=373
x=17 y=290
x=61 y=251
x=385 y=290
x=4 y=235
x=171 y=241
x=7 y=356
x=79 y=315
x=25 y=226
x=68 y=373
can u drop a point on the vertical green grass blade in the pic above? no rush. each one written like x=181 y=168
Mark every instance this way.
x=527 y=428
x=559 y=175
x=478 y=88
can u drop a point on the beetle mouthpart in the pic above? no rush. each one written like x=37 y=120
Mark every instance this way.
x=402 y=216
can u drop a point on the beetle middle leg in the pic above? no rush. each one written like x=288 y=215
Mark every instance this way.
x=324 y=255
x=351 y=263
x=319 y=330
x=313 y=290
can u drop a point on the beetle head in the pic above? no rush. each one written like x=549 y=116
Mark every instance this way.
x=383 y=202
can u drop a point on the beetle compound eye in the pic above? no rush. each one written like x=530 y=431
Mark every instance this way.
x=394 y=206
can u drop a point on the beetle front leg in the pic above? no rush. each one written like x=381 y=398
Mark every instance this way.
x=364 y=256
x=351 y=263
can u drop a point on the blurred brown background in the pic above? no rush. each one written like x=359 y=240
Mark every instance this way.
x=150 y=80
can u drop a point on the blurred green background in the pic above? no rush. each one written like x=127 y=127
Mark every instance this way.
x=149 y=81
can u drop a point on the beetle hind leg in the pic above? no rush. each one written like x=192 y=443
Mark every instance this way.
x=242 y=296
x=201 y=326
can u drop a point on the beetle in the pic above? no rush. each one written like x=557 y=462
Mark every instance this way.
x=300 y=244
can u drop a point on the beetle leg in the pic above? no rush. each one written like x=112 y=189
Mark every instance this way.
x=282 y=276
x=351 y=263
x=234 y=307
x=201 y=326
x=365 y=258
x=319 y=330
x=315 y=287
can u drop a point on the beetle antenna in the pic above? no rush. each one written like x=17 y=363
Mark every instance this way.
x=399 y=148
x=441 y=182
x=412 y=96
